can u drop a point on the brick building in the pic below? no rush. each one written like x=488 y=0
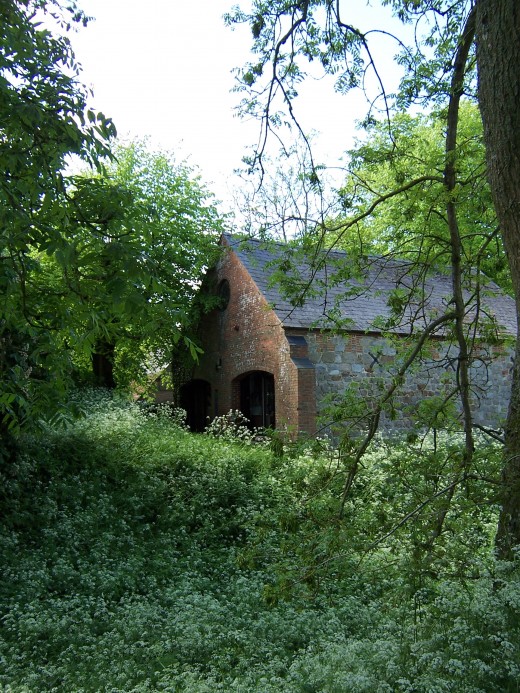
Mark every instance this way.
x=278 y=363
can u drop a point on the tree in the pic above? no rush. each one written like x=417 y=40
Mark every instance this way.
x=144 y=231
x=92 y=267
x=413 y=224
x=43 y=120
x=498 y=50
x=284 y=199
x=450 y=40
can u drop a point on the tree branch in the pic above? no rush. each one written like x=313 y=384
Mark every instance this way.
x=397 y=381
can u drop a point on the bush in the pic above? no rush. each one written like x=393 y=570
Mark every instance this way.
x=233 y=426
x=139 y=557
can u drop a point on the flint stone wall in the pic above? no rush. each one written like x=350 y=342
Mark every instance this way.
x=369 y=361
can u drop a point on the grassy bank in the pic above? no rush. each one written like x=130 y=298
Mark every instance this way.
x=138 y=557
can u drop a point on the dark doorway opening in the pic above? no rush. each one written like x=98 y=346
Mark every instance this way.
x=257 y=399
x=195 y=398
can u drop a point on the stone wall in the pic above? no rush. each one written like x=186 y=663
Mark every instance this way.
x=366 y=363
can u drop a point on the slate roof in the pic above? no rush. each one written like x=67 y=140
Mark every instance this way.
x=362 y=301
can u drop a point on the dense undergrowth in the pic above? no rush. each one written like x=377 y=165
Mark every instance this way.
x=138 y=557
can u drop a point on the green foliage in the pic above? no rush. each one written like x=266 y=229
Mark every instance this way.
x=272 y=24
x=438 y=211
x=44 y=119
x=145 y=231
x=405 y=160
x=101 y=265
x=293 y=41
x=137 y=556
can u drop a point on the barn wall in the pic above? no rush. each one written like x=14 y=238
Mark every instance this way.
x=369 y=360
x=247 y=336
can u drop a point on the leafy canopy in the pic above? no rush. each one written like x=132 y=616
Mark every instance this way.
x=43 y=120
x=145 y=232
x=410 y=158
x=89 y=262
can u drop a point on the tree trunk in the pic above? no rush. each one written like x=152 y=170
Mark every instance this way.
x=498 y=60
x=103 y=364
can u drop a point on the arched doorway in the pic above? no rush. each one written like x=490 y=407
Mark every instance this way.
x=195 y=398
x=257 y=399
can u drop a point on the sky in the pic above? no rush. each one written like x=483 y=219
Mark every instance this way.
x=162 y=69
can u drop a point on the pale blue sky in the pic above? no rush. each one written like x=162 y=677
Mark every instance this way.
x=162 y=68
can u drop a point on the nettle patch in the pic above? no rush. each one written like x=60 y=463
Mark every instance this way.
x=139 y=557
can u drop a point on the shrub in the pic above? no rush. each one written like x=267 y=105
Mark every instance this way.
x=233 y=426
x=139 y=557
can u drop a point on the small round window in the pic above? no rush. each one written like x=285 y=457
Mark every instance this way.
x=223 y=292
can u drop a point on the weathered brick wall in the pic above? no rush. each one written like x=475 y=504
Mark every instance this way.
x=247 y=336
x=369 y=360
